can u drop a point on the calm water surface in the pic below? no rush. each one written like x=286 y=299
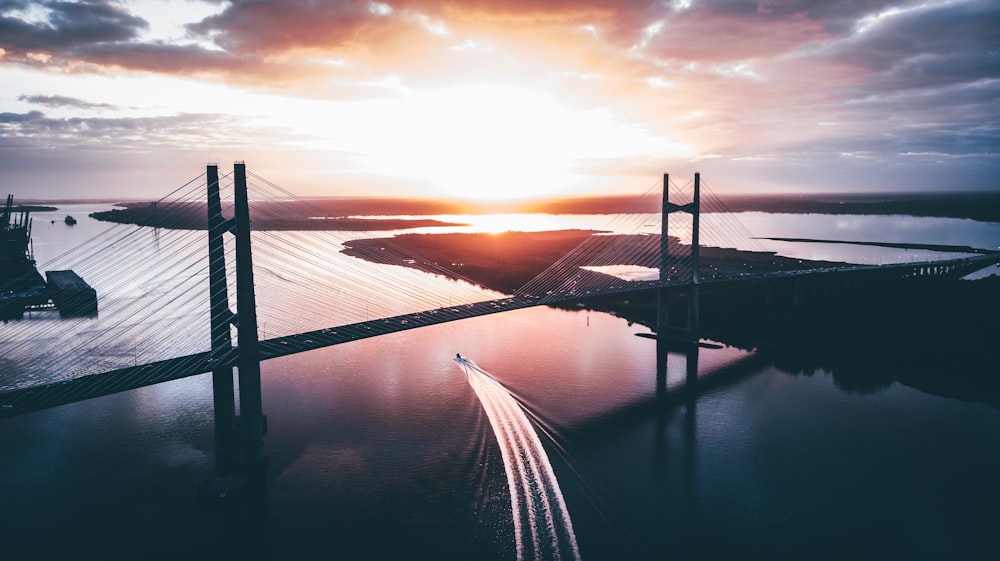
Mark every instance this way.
x=379 y=449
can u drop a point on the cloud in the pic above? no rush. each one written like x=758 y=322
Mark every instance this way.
x=167 y=59
x=927 y=46
x=63 y=101
x=774 y=82
x=36 y=130
x=268 y=26
x=68 y=26
x=18 y=118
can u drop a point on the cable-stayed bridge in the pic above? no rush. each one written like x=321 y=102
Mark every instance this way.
x=165 y=299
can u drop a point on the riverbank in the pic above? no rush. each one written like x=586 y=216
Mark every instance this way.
x=32 y=208
x=975 y=206
x=506 y=261
x=264 y=216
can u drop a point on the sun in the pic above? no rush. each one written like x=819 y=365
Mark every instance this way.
x=480 y=142
x=477 y=142
x=496 y=142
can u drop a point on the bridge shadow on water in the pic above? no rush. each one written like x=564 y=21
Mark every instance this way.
x=672 y=425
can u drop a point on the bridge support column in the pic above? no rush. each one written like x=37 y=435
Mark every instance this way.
x=662 y=300
x=691 y=352
x=226 y=450
x=252 y=421
x=692 y=330
x=239 y=442
x=662 y=352
x=694 y=303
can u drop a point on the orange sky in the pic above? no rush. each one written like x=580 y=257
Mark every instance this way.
x=499 y=99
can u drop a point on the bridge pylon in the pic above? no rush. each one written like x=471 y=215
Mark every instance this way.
x=239 y=439
x=664 y=329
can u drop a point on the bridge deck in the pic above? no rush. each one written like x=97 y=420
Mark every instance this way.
x=25 y=400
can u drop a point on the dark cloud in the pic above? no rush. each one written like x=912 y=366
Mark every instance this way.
x=930 y=46
x=709 y=37
x=939 y=143
x=273 y=26
x=70 y=25
x=19 y=118
x=931 y=93
x=35 y=129
x=958 y=120
x=13 y=5
x=968 y=101
x=168 y=59
x=63 y=101
x=104 y=34
x=91 y=36
x=856 y=164
x=837 y=16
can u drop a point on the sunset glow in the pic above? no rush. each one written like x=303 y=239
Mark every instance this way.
x=499 y=100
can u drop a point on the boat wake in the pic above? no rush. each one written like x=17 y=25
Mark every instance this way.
x=542 y=526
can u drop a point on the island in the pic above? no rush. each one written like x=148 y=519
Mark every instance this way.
x=506 y=261
x=320 y=215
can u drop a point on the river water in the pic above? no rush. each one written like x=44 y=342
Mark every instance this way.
x=381 y=449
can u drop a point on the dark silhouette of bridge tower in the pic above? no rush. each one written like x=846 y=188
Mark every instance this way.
x=684 y=337
x=664 y=329
x=239 y=439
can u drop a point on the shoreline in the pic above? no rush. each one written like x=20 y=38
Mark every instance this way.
x=506 y=261
x=265 y=216
x=928 y=247
x=982 y=206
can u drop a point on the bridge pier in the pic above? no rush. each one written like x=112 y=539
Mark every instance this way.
x=226 y=458
x=239 y=439
x=252 y=420
x=689 y=349
x=689 y=332
x=687 y=335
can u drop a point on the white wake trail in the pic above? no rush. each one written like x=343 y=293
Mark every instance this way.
x=542 y=526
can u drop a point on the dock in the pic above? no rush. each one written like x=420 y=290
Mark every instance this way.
x=22 y=287
x=70 y=294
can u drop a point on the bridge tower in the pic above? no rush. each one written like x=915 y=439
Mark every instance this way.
x=687 y=335
x=689 y=332
x=239 y=439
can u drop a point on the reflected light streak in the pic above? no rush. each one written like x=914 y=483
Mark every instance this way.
x=627 y=272
x=492 y=223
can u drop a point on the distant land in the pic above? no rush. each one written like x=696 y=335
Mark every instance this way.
x=265 y=216
x=32 y=208
x=983 y=206
x=342 y=212
x=506 y=261
x=931 y=247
